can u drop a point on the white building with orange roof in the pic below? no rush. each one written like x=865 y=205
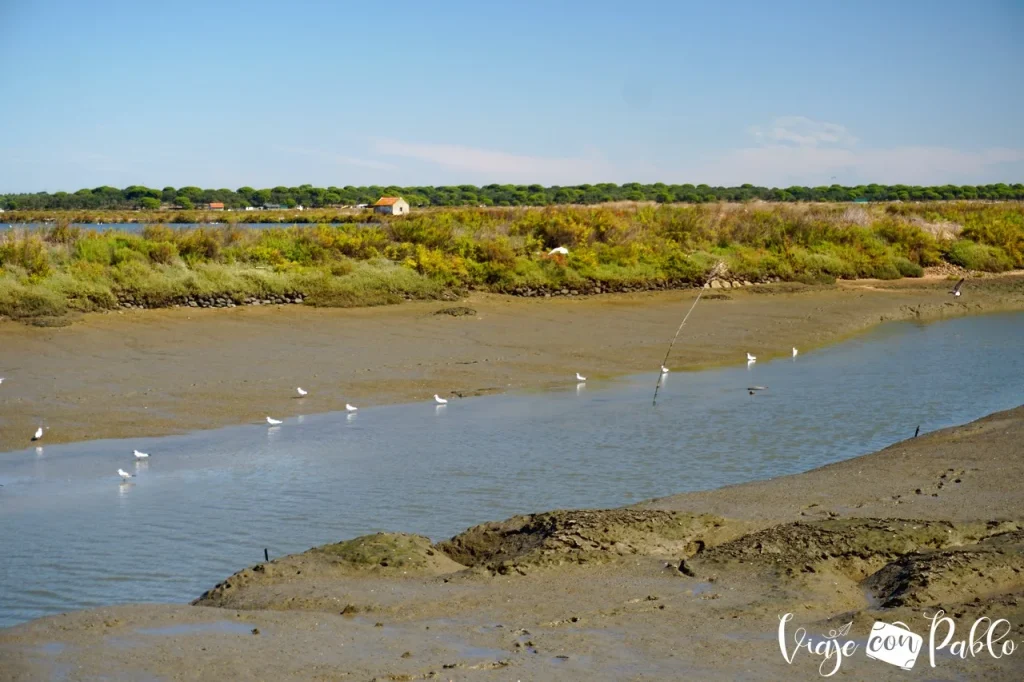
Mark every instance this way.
x=391 y=206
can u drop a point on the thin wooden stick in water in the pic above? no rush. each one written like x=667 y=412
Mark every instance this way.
x=714 y=273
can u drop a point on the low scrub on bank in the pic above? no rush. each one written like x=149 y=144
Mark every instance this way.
x=51 y=270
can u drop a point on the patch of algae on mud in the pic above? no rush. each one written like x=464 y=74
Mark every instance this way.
x=584 y=536
x=854 y=547
x=380 y=554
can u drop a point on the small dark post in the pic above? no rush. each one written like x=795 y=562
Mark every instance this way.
x=266 y=556
x=917 y=430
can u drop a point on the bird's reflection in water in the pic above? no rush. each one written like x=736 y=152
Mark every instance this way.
x=301 y=418
x=439 y=409
x=579 y=387
x=39 y=451
x=351 y=416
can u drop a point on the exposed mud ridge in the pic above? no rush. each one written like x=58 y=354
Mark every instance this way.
x=582 y=536
x=854 y=547
x=992 y=567
x=379 y=554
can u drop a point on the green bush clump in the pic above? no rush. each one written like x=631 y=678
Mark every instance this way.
x=974 y=256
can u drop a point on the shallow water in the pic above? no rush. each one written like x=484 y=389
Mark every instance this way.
x=136 y=228
x=207 y=503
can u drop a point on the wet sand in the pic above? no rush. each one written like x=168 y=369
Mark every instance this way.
x=686 y=587
x=154 y=372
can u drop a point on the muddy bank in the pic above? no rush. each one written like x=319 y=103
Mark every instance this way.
x=154 y=372
x=689 y=586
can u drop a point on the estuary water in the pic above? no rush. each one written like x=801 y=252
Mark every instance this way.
x=206 y=504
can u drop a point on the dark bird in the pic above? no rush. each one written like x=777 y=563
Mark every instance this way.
x=956 y=290
x=917 y=431
x=751 y=393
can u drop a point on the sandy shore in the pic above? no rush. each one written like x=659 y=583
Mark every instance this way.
x=686 y=587
x=139 y=373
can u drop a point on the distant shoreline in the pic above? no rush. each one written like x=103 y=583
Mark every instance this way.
x=350 y=214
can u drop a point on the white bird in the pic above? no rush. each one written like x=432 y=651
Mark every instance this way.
x=559 y=249
x=795 y=351
x=38 y=433
x=580 y=377
x=1 y=380
x=140 y=455
x=664 y=369
x=124 y=474
x=301 y=392
x=274 y=422
x=350 y=408
x=439 y=400
x=956 y=290
x=751 y=358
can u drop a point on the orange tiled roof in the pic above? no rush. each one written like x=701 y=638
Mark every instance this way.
x=387 y=201
x=216 y=204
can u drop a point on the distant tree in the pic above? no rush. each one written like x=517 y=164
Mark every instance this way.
x=184 y=202
x=149 y=203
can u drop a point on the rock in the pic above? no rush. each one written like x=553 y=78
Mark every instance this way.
x=716 y=284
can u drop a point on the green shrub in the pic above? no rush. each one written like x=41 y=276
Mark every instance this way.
x=968 y=254
x=94 y=250
x=164 y=253
x=908 y=268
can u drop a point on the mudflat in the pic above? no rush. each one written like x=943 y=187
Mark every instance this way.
x=154 y=372
x=686 y=587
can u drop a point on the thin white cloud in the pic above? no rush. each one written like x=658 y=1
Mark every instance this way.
x=803 y=132
x=498 y=164
x=795 y=150
x=340 y=159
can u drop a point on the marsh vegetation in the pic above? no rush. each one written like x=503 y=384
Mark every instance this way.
x=60 y=267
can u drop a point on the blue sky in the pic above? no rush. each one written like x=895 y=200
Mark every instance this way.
x=226 y=94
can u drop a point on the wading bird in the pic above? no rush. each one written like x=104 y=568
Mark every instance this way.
x=38 y=434
x=140 y=455
x=274 y=422
x=795 y=351
x=580 y=377
x=124 y=474
x=956 y=290
x=664 y=369
x=439 y=400
x=301 y=392
x=751 y=358
x=350 y=408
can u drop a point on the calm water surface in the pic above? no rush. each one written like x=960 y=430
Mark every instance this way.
x=136 y=228
x=207 y=503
